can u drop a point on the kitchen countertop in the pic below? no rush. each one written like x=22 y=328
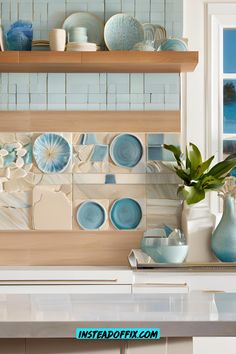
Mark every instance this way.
x=177 y=315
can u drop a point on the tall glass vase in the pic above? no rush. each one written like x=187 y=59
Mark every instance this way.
x=223 y=242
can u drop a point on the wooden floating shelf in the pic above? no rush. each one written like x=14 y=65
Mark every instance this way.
x=90 y=121
x=104 y=61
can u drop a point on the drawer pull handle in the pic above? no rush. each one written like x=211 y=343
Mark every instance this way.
x=173 y=285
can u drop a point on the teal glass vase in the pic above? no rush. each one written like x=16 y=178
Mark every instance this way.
x=223 y=242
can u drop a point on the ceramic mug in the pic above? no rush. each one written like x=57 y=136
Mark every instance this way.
x=57 y=39
x=78 y=35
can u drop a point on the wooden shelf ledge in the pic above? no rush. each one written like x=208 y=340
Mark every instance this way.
x=24 y=248
x=90 y=121
x=104 y=61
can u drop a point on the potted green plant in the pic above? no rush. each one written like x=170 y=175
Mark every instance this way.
x=198 y=177
x=196 y=174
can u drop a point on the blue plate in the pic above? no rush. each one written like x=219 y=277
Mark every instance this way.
x=122 y=32
x=126 y=150
x=126 y=214
x=52 y=153
x=91 y=215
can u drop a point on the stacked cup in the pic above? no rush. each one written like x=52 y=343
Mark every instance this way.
x=78 y=35
x=78 y=40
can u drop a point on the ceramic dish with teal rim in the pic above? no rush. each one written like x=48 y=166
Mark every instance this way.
x=91 y=215
x=122 y=32
x=126 y=214
x=94 y=25
x=52 y=153
x=173 y=44
x=126 y=150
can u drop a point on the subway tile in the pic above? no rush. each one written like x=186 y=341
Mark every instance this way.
x=56 y=83
x=118 y=83
x=72 y=98
x=136 y=83
x=38 y=98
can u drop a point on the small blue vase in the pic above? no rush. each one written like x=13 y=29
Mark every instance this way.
x=223 y=242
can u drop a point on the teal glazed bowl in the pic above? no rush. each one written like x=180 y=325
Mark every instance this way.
x=159 y=250
x=173 y=44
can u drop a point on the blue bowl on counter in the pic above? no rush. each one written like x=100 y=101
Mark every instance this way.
x=161 y=252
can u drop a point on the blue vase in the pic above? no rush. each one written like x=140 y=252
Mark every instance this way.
x=223 y=242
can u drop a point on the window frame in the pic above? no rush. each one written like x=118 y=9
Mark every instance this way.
x=219 y=16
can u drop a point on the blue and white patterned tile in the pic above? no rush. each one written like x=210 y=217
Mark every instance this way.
x=40 y=164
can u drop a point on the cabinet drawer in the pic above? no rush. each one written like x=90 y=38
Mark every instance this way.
x=71 y=346
x=160 y=288
x=65 y=289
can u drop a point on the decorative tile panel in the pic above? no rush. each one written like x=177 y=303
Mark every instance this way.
x=32 y=198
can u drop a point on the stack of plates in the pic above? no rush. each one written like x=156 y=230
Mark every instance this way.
x=40 y=44
x=82 y=47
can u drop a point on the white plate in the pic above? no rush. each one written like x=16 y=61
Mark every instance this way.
x=94 y=25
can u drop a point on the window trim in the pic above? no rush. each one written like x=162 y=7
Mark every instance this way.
x=219 y=16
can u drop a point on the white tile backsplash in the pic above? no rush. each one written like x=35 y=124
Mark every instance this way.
x=87 y=90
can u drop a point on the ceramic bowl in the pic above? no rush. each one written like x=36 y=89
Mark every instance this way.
x=126 y=150
x=122 y=32
x=52 y=153
x=173 y=44
x=159 y=250
x=91 y=215
x=126 y=214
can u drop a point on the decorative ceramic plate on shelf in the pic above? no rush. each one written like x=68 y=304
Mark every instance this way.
x=126 y=214
x=122 y=32
x=94 y=25
x=126 y=150
x=91 y=215
x=52 y=153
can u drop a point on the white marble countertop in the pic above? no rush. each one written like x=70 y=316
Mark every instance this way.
x=53 y=316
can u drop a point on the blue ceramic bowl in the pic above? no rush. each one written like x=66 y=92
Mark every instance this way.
x=159 y=250
x=126 y=214
x=126 y=150
x=173 y=44
x=91 y=215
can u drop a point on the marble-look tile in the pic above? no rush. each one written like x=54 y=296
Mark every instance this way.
x=156 y=151
x=110 y=193
x=15 y=211
x=52 y=207
x=79 y=178
x=163 y=211
x=162 y=191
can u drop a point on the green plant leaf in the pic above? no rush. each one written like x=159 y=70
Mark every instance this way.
x=192 y=195
x=195 y=157
x=204 y=166
x=221 y=169
x=188 y=162
x=176 y=152
x=183 y=175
